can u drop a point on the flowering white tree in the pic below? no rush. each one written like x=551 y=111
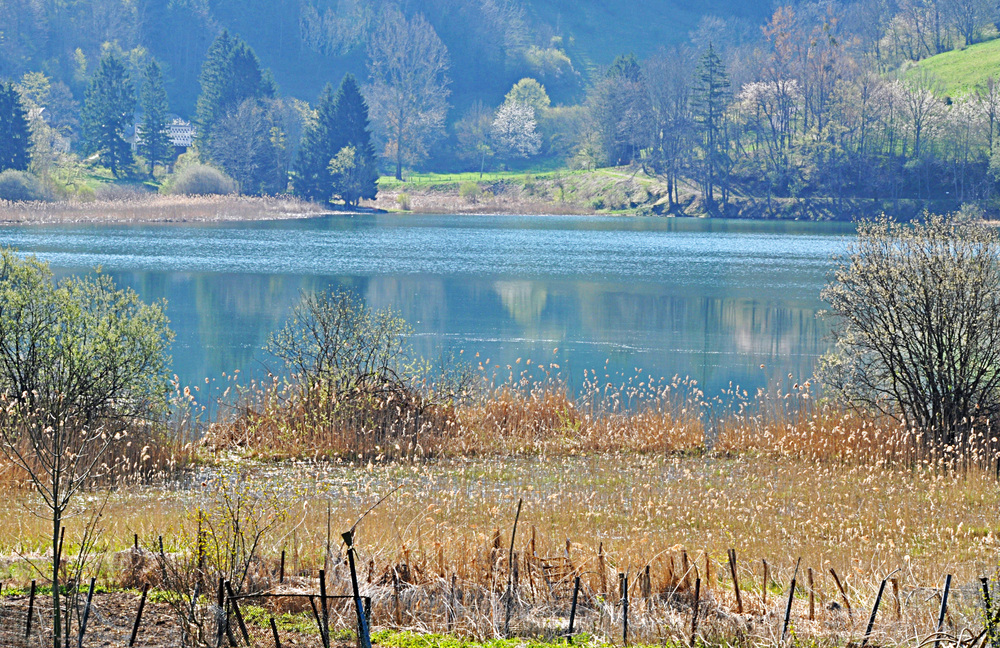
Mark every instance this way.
x=514 y=131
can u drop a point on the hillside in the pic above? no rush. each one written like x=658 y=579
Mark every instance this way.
x=307 y=43
x=962 y=70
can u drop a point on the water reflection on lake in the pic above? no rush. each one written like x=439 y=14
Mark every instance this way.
x=713 y=300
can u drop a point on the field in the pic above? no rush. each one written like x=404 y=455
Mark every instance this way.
x=637 y=493
x=963 y=70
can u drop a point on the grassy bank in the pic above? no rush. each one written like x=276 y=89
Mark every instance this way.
x=614 y=191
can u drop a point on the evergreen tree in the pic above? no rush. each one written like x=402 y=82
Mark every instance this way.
x=15 y=136
x=108 y=110
x=312 y=178
x=351 y=119
x=230 y=75
x=155 y=144
x=341 y=123
x=709 y=95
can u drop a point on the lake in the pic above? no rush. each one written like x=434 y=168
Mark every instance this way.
x=723 y=302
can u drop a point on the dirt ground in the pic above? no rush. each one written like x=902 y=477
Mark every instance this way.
x=112 y=618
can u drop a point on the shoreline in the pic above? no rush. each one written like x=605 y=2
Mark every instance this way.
x=161 y=209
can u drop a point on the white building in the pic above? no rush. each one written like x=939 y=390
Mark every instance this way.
x=180 y=132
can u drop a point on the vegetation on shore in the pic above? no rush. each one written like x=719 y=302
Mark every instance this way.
x=649 y=480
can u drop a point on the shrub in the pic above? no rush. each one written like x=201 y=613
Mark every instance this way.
x=119 y=192
x=470 y=191
x=201 y=180
x=403 y=200
x=917 y=309
x=19 y=186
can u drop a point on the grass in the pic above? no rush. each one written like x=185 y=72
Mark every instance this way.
x=963 y=70
x=542 y=191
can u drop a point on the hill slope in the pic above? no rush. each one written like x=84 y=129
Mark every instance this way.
x=961 y=71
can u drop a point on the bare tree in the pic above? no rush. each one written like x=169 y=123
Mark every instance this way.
x=408 y=92
x=918 y=325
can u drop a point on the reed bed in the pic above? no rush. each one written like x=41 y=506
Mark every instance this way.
x=646 y=479
x=156 y=208
x=596 y=516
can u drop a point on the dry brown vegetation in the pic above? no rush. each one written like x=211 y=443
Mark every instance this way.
x=155 y=208
x=616 y=481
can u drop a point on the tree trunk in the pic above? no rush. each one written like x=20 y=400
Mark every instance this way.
x=56 y=611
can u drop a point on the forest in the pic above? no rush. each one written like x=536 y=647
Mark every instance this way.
x=872 y=100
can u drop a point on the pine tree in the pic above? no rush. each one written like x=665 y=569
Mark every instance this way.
x=341 y=123
x=351 y=120
x=108 y=111
x=312 y=178
x=15 y=135
x=230 y=75
x=709 y=93
x=155 y=143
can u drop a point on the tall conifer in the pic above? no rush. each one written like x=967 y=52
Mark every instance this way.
x=341 y=122
x=230 y=75
x=15 y=135
x=155 y=143
x=351 y=118
x=108 y=111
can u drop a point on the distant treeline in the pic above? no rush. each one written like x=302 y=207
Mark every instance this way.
x=820 y=100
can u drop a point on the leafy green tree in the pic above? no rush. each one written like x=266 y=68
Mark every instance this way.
x=155 y=144
x=15 y=136
x=529 y=92
x=709 y=96
x=341 y=123
x=230 y=75
x=107 y=114
x=81 y=362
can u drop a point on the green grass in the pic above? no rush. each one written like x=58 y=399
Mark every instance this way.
x=962 y=70
x=406 y=639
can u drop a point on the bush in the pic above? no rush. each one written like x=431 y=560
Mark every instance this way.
x=201 y=180
x=403 y=200
x=469 y=191
x=917 y=310
x=121 y=193
x=19 y=186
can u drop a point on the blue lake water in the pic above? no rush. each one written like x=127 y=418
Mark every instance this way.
x=708 y=299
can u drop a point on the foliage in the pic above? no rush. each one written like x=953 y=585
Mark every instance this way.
x=201 y=180
x=155 y=145
x=18 y=186
x=354 y=176
x=107 y=114
x=15 y=138
x=408 y=92
x=529 y=92
x=918 y=325
x=247 y=143
x=470 y=191
x=709 y=95
x=80 y=361
x=333 y=341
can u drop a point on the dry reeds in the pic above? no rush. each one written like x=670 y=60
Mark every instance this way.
x=155 y=208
